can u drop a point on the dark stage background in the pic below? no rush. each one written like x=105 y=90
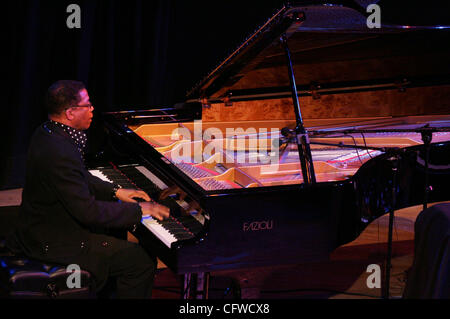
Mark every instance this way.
x=130 y=54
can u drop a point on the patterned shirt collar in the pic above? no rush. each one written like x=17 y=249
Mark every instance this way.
x=78 y=136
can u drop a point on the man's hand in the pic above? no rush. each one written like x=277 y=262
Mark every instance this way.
x=155 y=210
x=127 y=195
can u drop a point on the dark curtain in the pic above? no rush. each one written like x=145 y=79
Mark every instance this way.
x=135 y=54
x=120 y=53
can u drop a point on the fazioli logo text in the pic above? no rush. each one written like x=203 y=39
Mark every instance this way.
x=254 y=226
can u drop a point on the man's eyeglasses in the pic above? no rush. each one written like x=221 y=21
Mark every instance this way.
x=84 y=105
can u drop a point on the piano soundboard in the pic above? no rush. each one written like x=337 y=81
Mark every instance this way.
x=238 y=160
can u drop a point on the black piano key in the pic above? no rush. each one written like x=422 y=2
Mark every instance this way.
x=140 y=180
x=173 y=227
x=184 y=236
x=175 y=231
x=191 y=223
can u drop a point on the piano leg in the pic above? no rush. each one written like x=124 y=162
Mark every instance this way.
x=203 y=281
x=187 y=286
x=196 y=285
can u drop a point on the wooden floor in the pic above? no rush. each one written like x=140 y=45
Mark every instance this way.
x=344 y=276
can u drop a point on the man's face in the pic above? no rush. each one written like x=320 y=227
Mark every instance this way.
x=81 y=115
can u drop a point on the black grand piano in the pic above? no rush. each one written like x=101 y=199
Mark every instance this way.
x=312 y=128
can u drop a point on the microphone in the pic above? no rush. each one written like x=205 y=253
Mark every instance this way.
x=288 y=136
x=287 y=132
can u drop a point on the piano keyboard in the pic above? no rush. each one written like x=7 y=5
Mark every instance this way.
x=169 y=231
x=172 y=230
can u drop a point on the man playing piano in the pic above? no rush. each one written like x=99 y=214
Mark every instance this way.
x=66 y=211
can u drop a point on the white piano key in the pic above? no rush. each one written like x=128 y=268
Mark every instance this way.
x=100 y=175
x=159 y=231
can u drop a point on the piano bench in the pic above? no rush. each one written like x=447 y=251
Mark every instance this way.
x=24 y=278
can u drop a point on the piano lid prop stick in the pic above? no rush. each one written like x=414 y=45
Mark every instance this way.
x=304 y=150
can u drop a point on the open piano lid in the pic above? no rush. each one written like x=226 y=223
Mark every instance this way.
x=332 y=50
